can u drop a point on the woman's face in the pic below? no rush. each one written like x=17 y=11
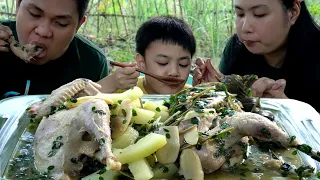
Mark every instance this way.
x=49 y=24
x=262 y=25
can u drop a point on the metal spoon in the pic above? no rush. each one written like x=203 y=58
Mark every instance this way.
x=167 y=80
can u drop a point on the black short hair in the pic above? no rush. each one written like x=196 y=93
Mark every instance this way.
x=168 y=29
x=82 y=6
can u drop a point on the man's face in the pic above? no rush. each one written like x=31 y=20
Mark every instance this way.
x=48 y=24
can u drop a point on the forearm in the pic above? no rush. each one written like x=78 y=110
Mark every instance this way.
x=107 y=84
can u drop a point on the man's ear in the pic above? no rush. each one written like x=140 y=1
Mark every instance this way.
x=83 y=20
x=294 y=12
x=140 y=61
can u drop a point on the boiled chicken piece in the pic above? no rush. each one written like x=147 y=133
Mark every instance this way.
x=26 y=52
x=244 y=124
x=59 y=144
x=76 y=88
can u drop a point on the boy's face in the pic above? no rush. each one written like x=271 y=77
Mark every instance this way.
x=164 y=59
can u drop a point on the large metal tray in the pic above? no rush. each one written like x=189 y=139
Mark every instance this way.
x=296 y=117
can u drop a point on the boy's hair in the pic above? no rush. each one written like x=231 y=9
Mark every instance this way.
x=82 y=6
x=169 y=30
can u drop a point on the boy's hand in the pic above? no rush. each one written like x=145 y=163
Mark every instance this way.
x=205 y=72
x=126 y=77
x=5 y=33
x=269 y=88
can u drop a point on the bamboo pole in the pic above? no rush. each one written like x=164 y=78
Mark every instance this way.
x=124 y=21
x=114 y=11
x=155 y=5
x=98 y=20
x=166 y=1
x=181 y=9
x=133 y=12
x=174 y=7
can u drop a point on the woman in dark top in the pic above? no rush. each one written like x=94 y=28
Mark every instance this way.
x=278 y=41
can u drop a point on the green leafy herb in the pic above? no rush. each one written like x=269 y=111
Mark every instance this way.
x=52 y=153
x=158 y=109
x=292 y=138
x=74 y=160
x=113 y=116
x=73 y=100
x=101 y=178
x=224 y=125
x=124 y=121
x=166 y=130
x=134 y=112
x=101 y=112
x=114 y=106
x=295 y=152
x=119 y=101
x=28 y=108
x=168 y=136
x=124 y=113
x=318 y=175
x=102 y=171
x=265 y=132
x=50 y=168
x=165 y=169
x=195 y=121
x=102 y=142
x=93 y=108
x=59 y=138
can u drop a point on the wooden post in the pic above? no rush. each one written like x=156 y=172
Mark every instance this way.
x=124 y=21
x=114 y=11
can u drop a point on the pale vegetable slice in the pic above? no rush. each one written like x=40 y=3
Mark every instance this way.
x=141 y=170
x=169 y=152
x=192 y=114
x=142 y=116
x=132 y=94
x=103 y=174
x=158 y=108
x=136 y=103
x=141 y=149
x=192 y=136
x=71 y=103
x=120 y=123
x=161 y=171
x=190 y=165
x=127 y=138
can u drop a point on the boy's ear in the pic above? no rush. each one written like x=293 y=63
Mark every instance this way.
x=140 y=61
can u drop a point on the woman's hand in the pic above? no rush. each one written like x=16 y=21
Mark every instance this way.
x=5 y=33
x=269 y=88
x=205 y=72
x=122 y=78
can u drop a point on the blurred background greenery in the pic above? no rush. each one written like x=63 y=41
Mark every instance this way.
x=112 y=24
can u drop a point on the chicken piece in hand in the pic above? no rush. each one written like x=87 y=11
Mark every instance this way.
x=59 y=144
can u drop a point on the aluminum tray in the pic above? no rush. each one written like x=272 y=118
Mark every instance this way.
x=296 y=117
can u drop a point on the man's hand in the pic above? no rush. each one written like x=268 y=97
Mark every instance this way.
x=5 y=33
x=205 y=72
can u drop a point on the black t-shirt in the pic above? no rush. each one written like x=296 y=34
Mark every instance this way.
x=82 y=60
x=301 y=68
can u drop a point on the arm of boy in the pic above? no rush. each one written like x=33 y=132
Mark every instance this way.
x=122 y=78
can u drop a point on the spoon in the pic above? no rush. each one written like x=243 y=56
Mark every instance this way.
x=167 y=80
